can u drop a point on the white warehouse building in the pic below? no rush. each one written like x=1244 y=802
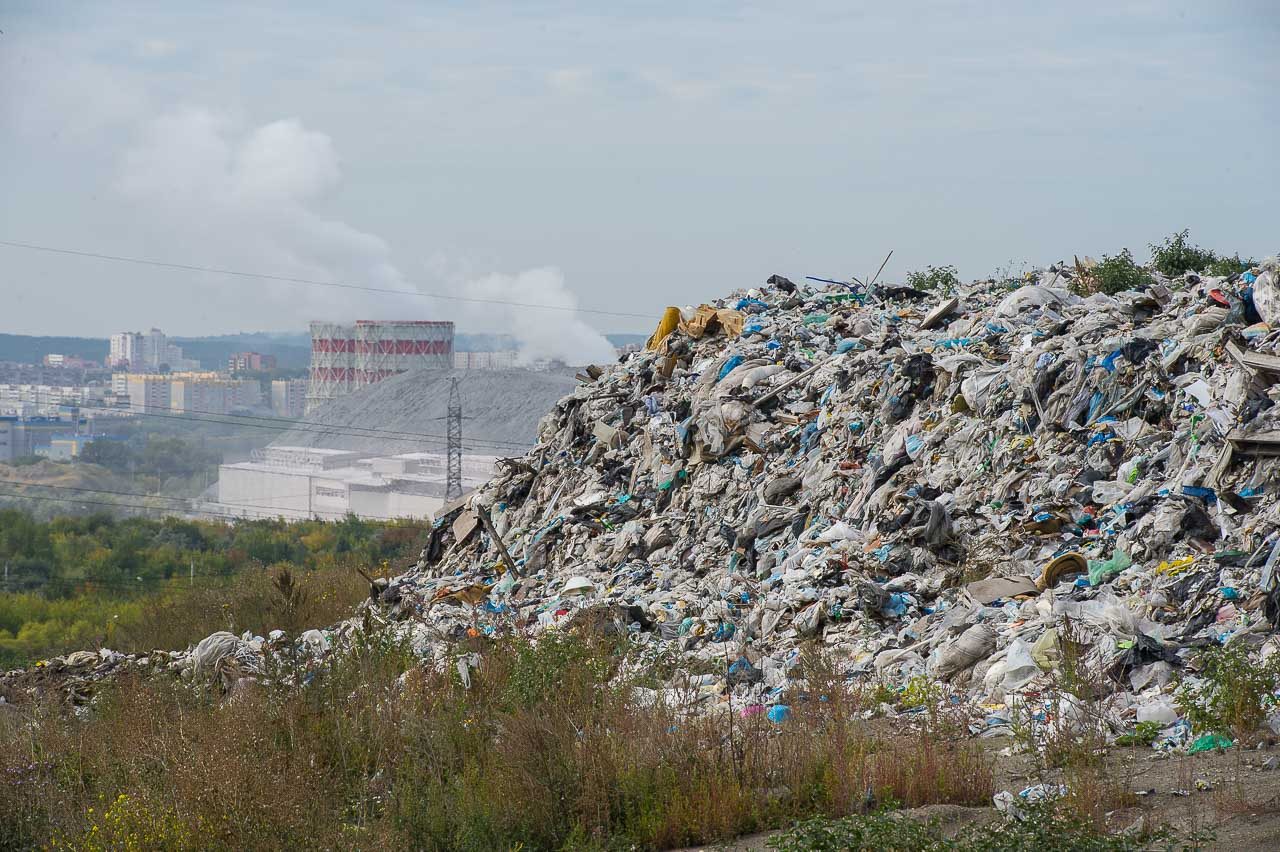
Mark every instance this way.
x=305 y=482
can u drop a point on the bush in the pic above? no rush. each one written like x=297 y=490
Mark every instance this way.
x=1236 y=696
x=1177 y=256
x=1112 y=275
x=943 y=279
x=1225 y=266
x=549 y=747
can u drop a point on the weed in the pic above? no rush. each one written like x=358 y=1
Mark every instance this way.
x=1225 y=266
x=1235 y=696
x=548 y=747
x=942 y=279
x=131 y=825
x=881 y=830
x=1111 y=275
x=1044 y=826
x=920 y=691
x=1143 y=735
x=1177 y=256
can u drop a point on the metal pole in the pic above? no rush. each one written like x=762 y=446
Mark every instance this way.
x=453 y=471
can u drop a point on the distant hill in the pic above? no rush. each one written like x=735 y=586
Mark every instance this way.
x=211 y=352
x=31 y=350
x=291 y=348
x=214 y=352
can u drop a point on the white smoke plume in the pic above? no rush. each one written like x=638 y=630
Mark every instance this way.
x=542 y=333
x=246 y=198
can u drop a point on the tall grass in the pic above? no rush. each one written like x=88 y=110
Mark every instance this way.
x=177 y=614
x=549 y=748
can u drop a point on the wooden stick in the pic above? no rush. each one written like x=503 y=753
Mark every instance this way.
x=794 y=380
x=881 y=269
x=483 y=513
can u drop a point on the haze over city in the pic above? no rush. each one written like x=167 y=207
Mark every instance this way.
x=614 y=157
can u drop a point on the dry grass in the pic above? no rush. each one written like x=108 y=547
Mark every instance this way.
x=255 y=600
x=547 y=749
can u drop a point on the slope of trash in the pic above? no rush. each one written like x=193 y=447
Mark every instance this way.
x=943 y=486
x=922 y=486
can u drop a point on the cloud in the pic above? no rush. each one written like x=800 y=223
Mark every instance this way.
x=571 y=81
x=54 y=94
x=157 y=48
x=248 y=197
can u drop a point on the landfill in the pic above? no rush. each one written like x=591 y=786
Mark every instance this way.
x=946 y=486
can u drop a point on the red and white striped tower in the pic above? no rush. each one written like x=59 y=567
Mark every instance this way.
x=385 y=348
x=332 y=363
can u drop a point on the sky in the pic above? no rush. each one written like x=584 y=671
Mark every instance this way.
x=613 y=156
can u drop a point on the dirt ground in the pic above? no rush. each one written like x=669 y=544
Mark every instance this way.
x=1231 y=794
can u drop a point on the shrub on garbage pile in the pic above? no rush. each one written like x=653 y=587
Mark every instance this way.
x=1225 y=266
x=1176 y=255
x=1143 y=734
x=920 y=691
x=550 y=747
x=1236 y=694
x=943 y=279
x=1113 y=274
x=1045 y=827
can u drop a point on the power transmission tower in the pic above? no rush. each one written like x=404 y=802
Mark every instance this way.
x=453 y=476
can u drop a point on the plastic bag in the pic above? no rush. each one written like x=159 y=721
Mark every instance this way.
x=1100 y=570
x=1020 y=666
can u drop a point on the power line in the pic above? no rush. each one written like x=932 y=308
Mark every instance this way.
x=189 y=267
x=286 y=424
x=125 y=505
x=303 y=426
x=186 y=500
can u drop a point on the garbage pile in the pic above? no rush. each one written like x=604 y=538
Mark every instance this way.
x=953 y=487
x=923 y=485
x=229 y=661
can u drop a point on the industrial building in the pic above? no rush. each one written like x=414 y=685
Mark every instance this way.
x=305 y=482
x=503 y=359
x=289 y=398
x=65 y=447
x=26 y=436
x=349 y=357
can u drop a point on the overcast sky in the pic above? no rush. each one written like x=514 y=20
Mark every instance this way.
x=618 y=156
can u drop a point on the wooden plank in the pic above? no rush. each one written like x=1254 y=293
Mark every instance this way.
x=1221 y=466
x=939 y=313
x=1256 y=443
x=483 y=513
x=1256 y=361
